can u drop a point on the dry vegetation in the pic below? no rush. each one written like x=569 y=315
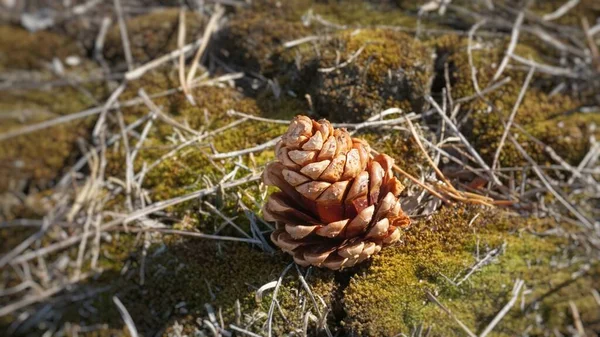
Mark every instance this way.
x=134 y=133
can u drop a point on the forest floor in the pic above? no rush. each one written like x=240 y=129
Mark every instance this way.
x=134 y=133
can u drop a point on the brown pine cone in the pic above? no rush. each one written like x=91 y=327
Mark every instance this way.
x=337 y=206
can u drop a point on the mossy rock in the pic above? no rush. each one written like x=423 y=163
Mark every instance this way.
x=22 y=50
x=388 y=297
x=393 y=70
x=152 y=35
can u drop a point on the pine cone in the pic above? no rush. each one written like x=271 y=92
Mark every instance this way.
x=337 y=206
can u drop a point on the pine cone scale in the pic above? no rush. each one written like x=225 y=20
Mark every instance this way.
x=337 y=206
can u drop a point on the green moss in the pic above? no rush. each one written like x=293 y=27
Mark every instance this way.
x=589 y=9
x=39 y=157
x=152 y=35
x=362 y=13
x=20 y=49
x=539 y=113
x=388 y=297
x=254 y=39
x=397 y=145
x=199 y=272
x=393 y=70
x=191 y=168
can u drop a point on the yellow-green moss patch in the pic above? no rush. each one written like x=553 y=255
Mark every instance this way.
x=20 y=49
x=388 y=297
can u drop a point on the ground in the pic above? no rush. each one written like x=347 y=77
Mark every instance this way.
x=457 y=265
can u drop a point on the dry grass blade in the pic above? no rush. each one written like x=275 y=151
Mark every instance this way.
x=322 y=319
x=511 y=47
x=457 y=132
x=274 y=300
x=418 y=182
x=577 y=319
x=560 y=11
x=512 y=116
x=591 y=43
x=243 y=331
x=9 y=257
x=126 y=317
x=180 y=43
x=108 y=106
x=429 y=160
x=190 y=234
x=470 y=55
x=124 y=35
x=345 y=63
x=208 y=31
x=257 y=148
x=40 y=296
x=132 y=217
x=586 y=222
x=164 y=117
x=179 y=53
x=515 y=295
x=433 y=299
x=547 y=69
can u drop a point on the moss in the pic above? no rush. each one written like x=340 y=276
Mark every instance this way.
x=191 y=169
x=254 y=38
x=393 y=70
x=32 y=161
x=589 y=9
x=402 y=14
x=183 y=276
x=399 y=146
x=152 y=35
x=20 y=49
x=39 y=157
x=388 y=297
x=539 y=113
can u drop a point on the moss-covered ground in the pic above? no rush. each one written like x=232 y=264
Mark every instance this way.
x=345 y=74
